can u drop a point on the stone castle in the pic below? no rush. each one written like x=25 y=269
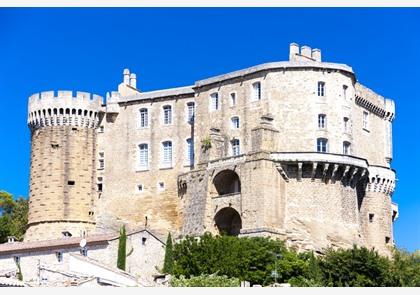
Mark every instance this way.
x=297 y=150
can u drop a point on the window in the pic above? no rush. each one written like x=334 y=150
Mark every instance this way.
x=371 y=215
x=190 y=152
x=161 y=186
x=144 y=118
x=321 y=88
x=235 y=147
x=101 y=129
x=100 y=184
x=59 y=255
x=190 y=111
x=346 y=124
x=214 y=101
x=16 y=259
x=387 y=240
x=322 y=145
x=143 y=241
x=234 y=122
x=139 y=188
x=233 y=99
x=256 y=91
x=346 y=148
x=365 y=120
x=167 y=115
x=167 y=153
x=322 y=121
x=143 y=156
x=345 y=91
x=101 y=160
x=70 y=182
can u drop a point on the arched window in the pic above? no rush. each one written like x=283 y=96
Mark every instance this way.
x=214 y=101
x=143 y=156
x=190 y=111
x=167 y=115
x=190 y=152
x=322 y=145
x=321 y=88
x=234 y=122
x=346 y=148
x=236 y=150
x=322 y=121
x=256 y=91
x=346 y=125
x=144 y=118
x=167 y=154
x=233 y=99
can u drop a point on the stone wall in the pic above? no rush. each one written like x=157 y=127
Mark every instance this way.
x=61 y=181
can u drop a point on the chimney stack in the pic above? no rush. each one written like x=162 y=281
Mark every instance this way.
x=133 y=80
x=316 y=54
x=126 y=75
x=294 y=49
x=306 y=51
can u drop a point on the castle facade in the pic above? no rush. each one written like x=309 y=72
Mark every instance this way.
x=297 y=150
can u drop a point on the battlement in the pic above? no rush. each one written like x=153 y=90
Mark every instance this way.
x=381 y=179
x=53 y=108
x=304 y=53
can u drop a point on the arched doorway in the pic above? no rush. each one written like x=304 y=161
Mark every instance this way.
x=228 y=222
x=227 y=182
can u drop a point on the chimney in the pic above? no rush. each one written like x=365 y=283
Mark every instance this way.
x=306 y=51
x=294 y=49
x=133 y=80
x=316 y=54
x=126 y=75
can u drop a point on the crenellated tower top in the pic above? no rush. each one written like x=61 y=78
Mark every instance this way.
x=52 y=108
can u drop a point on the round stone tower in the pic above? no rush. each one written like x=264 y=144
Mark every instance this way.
x=62 y=169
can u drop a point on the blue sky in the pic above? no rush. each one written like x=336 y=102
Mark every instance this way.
x=87 y=49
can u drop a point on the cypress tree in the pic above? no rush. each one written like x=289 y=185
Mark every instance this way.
x=168 y=265
x=122 y=248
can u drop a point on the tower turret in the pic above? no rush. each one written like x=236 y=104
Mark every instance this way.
x=62 y=171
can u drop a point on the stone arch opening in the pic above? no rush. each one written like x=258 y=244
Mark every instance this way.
x=228 y=222
x=227 y=182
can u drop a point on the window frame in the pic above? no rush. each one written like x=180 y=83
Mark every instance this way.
x=256 y=95
x=365 y=120
x=322 y=121
x=189 y=118
x=321 y=89
x=190 y=151
x=320 y=143
x=143 y=165
x=346 y=148
x=235 y=148
x=141 y=119
x=215 y=106
x=167 y=120
x=167 y=164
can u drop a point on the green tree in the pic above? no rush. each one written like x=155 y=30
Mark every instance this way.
x=356 y=267
x=168 y=264
x=122 y=245
x=13 y=216
x=405 y=269
x=251 y=259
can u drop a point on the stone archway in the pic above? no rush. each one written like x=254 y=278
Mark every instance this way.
x=228 y=221
x=227 y=182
